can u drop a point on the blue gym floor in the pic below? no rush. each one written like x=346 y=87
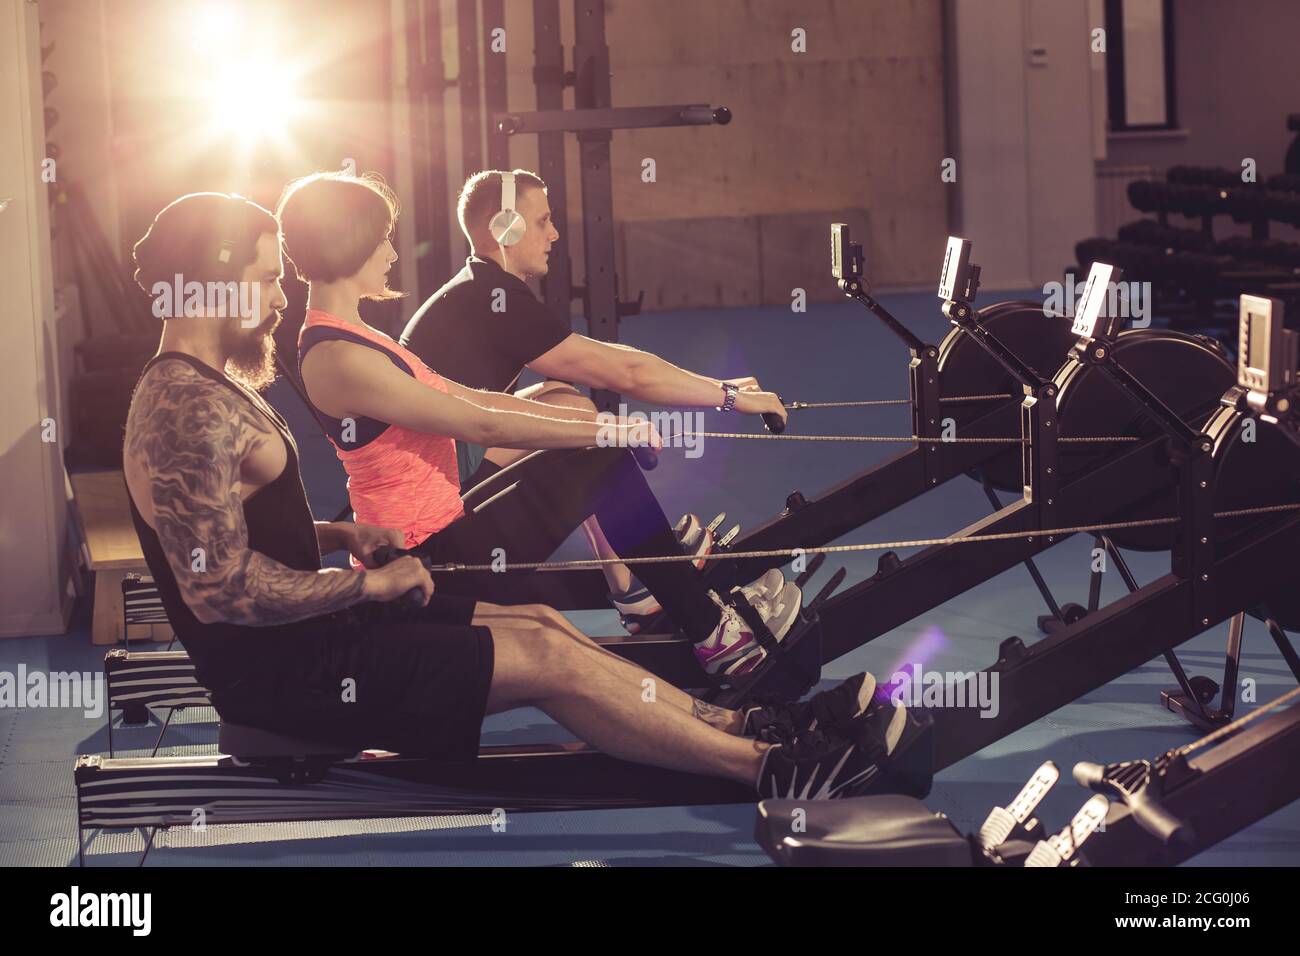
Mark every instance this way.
x=834 y=352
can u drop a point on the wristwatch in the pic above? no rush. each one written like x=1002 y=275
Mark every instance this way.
x=730 y=391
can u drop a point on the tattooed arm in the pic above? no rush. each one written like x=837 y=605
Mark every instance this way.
x=190 y=436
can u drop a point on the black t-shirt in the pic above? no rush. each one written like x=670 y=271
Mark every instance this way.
x=483 y=327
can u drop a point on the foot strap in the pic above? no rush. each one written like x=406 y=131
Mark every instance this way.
x=766 y=639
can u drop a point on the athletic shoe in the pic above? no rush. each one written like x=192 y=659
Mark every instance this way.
x=765 y=587
x=732 y=649
x=886 y=721
x=829 y=709
x=695 y=538
x=637 y=607
x=824 y=764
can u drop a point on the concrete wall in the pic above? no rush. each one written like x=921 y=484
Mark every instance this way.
x=856 y=123
x=33 y=521
x=741 y=214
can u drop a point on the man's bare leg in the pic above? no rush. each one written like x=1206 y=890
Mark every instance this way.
x=544 y=667
x=617 y=576
x=525 y=616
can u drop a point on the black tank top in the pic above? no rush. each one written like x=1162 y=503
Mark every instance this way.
x=280 y=526
x=367 y=429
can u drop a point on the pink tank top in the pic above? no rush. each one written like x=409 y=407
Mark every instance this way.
x=403 y=479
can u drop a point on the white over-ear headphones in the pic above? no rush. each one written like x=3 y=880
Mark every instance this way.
x=507 y=226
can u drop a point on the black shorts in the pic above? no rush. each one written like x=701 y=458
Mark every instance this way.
x=374 y=677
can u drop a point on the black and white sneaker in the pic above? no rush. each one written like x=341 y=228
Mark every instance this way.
x=823 y=764
x=886 y=721
x=829 y=709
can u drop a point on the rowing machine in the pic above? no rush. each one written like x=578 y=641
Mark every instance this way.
x=1161 y=812
x=984 y=352
x=262 y=777
x=1221 y=565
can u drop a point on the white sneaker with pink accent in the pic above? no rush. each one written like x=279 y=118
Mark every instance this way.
x=732 y=649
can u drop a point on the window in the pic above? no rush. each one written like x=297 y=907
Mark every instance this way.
x=1140 y=65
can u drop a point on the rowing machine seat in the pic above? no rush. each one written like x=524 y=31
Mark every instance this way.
x=241 y=740
x=887 y=830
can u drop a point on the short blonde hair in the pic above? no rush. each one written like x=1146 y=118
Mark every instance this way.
x=333 y=222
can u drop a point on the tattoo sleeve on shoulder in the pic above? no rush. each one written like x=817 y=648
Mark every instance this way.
x=190 y=434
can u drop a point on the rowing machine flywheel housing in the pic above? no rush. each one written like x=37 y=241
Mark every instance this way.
x=1189 y=373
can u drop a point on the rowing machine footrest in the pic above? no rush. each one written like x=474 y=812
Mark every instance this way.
x=863 y=831
x=786 y=675
x=762 y=634
x=797 y=667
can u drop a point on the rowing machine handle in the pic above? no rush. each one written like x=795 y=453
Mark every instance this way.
x=645 y=456
x=387 y=554
x=1156 y=820
x=774 y=422
x=1147 y=810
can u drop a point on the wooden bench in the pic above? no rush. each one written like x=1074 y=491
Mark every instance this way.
x=112 y=551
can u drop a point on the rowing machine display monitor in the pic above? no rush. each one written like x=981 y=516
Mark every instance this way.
x=959 y=280
x=1266 y=355
x=846 y=266
x=846 y=255
x=1089 y=322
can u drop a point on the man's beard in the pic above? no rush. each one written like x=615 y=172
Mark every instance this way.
x=251 y=361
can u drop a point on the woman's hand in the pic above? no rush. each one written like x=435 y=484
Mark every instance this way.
x=363 y=539
x=642 y=434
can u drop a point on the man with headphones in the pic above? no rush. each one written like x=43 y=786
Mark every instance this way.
x=485 y=326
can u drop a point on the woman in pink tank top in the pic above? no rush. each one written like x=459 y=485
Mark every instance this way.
x=393 y=422
x=402 y=478
x=404 y=474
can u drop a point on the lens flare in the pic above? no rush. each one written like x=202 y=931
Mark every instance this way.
x=919 y=652
x=253 y=98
